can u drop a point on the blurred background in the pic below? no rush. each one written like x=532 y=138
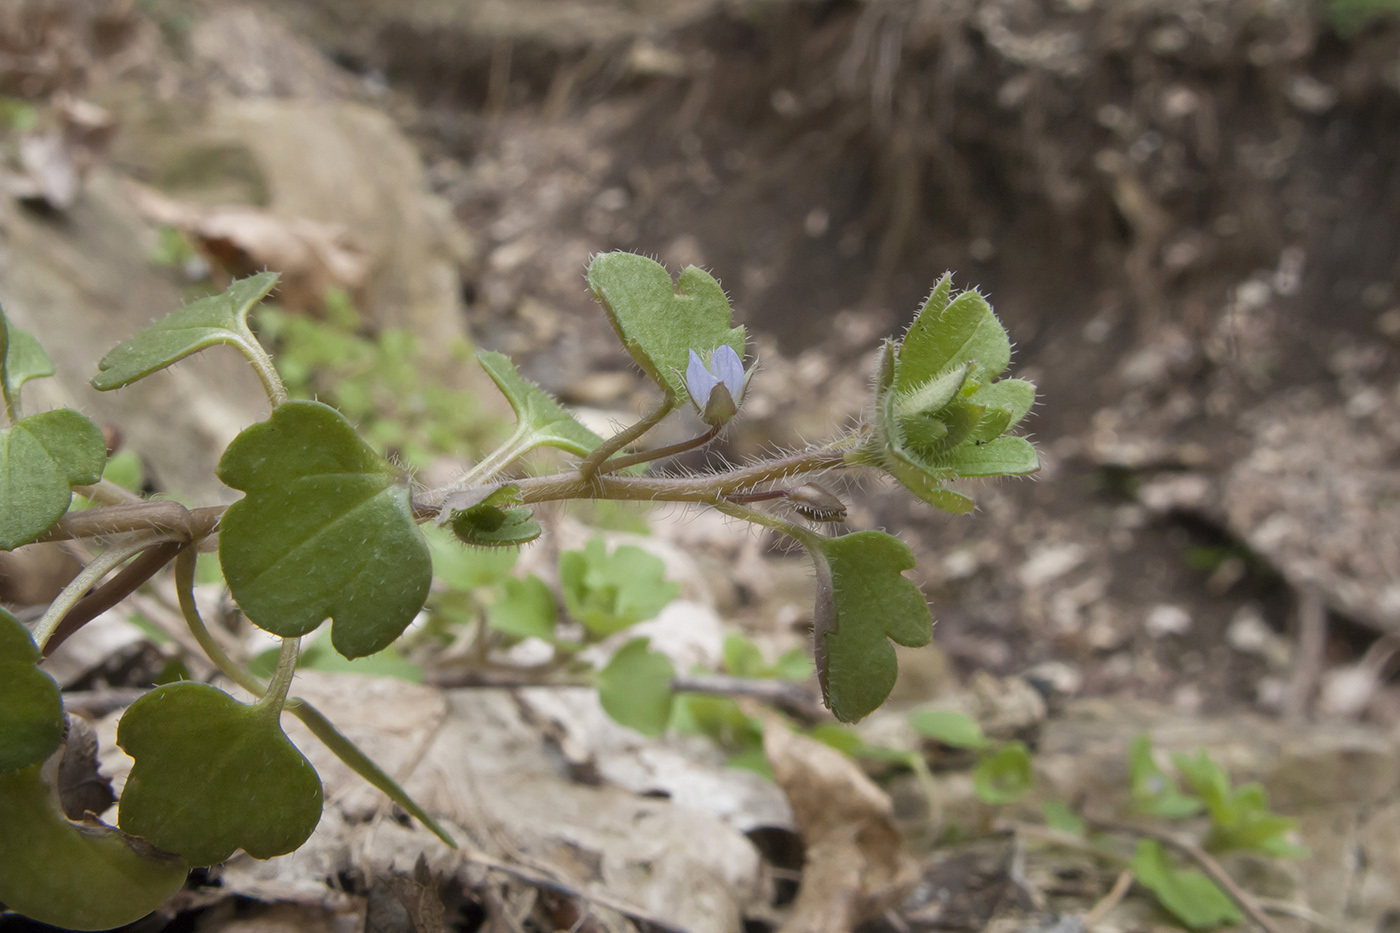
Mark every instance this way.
x=1185 y=212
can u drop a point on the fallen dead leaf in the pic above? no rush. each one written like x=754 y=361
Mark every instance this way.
x=313 y=257
x=856 y=866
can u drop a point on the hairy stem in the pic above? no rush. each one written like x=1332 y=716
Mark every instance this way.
x=708 y=488
x=658 y=453
x=158 y=520
x=122 y=585
x=589 y=467
x=96 y=569
x=106 y=492
x=263 y=366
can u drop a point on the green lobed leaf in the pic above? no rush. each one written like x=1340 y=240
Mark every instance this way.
x=610 y=591
x=939 y=416
x=660 y=321
x=527 y=610
x=933 y=395
x=75 y=876
x=21 y=359
x=1240 y=817
x=41 y=459
x=206 y=322
x=31 y=710
x=548 y=422
x=1153 y=791
x=1191 y=897
x=1005 y=775
x=863 y=603
x=1015 y=396
x=635 y=687
x=954 y=729
x=211 y=775
x=950 y=330
x=326 y=530
x=1003 y=456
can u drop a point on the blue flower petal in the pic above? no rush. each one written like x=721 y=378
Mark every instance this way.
x=729 y=369
x=699 y=381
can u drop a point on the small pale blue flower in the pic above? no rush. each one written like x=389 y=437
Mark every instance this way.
x=716 y=391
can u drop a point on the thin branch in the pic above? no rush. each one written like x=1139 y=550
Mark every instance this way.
x=659 y=453
x=540 y=880
x=1310 y=656
x=99 y=567
x=126 y=582
x=1209 y=865
x=589 y=467
x=106 y=492
x=1110 y=900
x=161 y=520
x=792 y=698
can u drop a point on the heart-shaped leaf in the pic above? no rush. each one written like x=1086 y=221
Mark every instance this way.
x=41 y=459
x=75 y=876
x=1193 y=898
x=207 y=322
x=660 y=321
x=31 y=711
x=212 y=775
x=863 y=602
x=546 y=422
x=325 y=530
x=635 y=687
x=21 y=359
x=527 y=610
x=608 y=592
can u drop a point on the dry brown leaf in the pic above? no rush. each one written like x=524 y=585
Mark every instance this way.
x=856 y=866
x=312 y=257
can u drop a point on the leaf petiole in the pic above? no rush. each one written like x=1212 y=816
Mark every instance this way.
x=357 y=761
x=275 y=699
x=184 y=588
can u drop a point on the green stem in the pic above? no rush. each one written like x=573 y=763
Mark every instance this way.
x=263 y=366
x=709 y=488
x=348 y=752
x=520 y=442
x=97 y=568
x=12 y=413
x=184 y=588
x=590 y=465
x=276 y=696
x=658 y=453
x=803 y=536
